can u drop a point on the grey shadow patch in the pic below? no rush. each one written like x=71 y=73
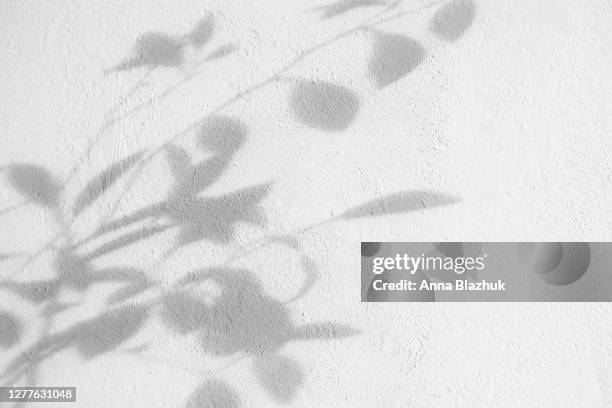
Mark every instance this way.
x=215 y=394
x=222 y=134
x=35 y=183
x=453 y=19
x=343 y=6
x=104 y=180
x=393 y=58
x=36 y=291
x=216 y=218
x=10 y=330
x=76 y=272
x=323 y=105
x=369 y=249
x=222 y=51
x=403 y=201
x=451 y=249
x=280 y=376
x=107 y=331
x=4 y=256
x=155 y=50
x=202 y=31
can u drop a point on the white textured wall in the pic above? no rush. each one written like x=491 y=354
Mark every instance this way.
x=221 y=130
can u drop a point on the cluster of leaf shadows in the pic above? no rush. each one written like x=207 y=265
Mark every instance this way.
x=332 y=107
x=239 y=318
x=155 y=49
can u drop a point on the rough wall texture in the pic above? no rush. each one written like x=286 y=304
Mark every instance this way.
x=184 y=186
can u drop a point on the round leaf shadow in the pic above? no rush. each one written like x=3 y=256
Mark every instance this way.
x=393 y=58
x=453 y=19
x=214 y=393
x=323 y=105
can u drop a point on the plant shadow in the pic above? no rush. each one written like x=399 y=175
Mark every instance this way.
x=225 y=308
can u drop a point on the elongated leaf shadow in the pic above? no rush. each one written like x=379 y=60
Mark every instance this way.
x=202 y=32
x=90 y=338
x=96 y=187
x=396 y=203
x=4 y=256
x=35 y=183
x=222 y=51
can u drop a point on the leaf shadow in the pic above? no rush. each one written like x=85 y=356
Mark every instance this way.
x=214 y=393
x=154 y=49
x=35 y=183
x=324 y=105
x=202 y=31
x=197 y=217
x=453 y=19
x=280 y=376
x=393 y=58
x=228 y=310
x=89 y=338
x=96 y=187
x=343 y=6
x=404 y=201
x=10 y=330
